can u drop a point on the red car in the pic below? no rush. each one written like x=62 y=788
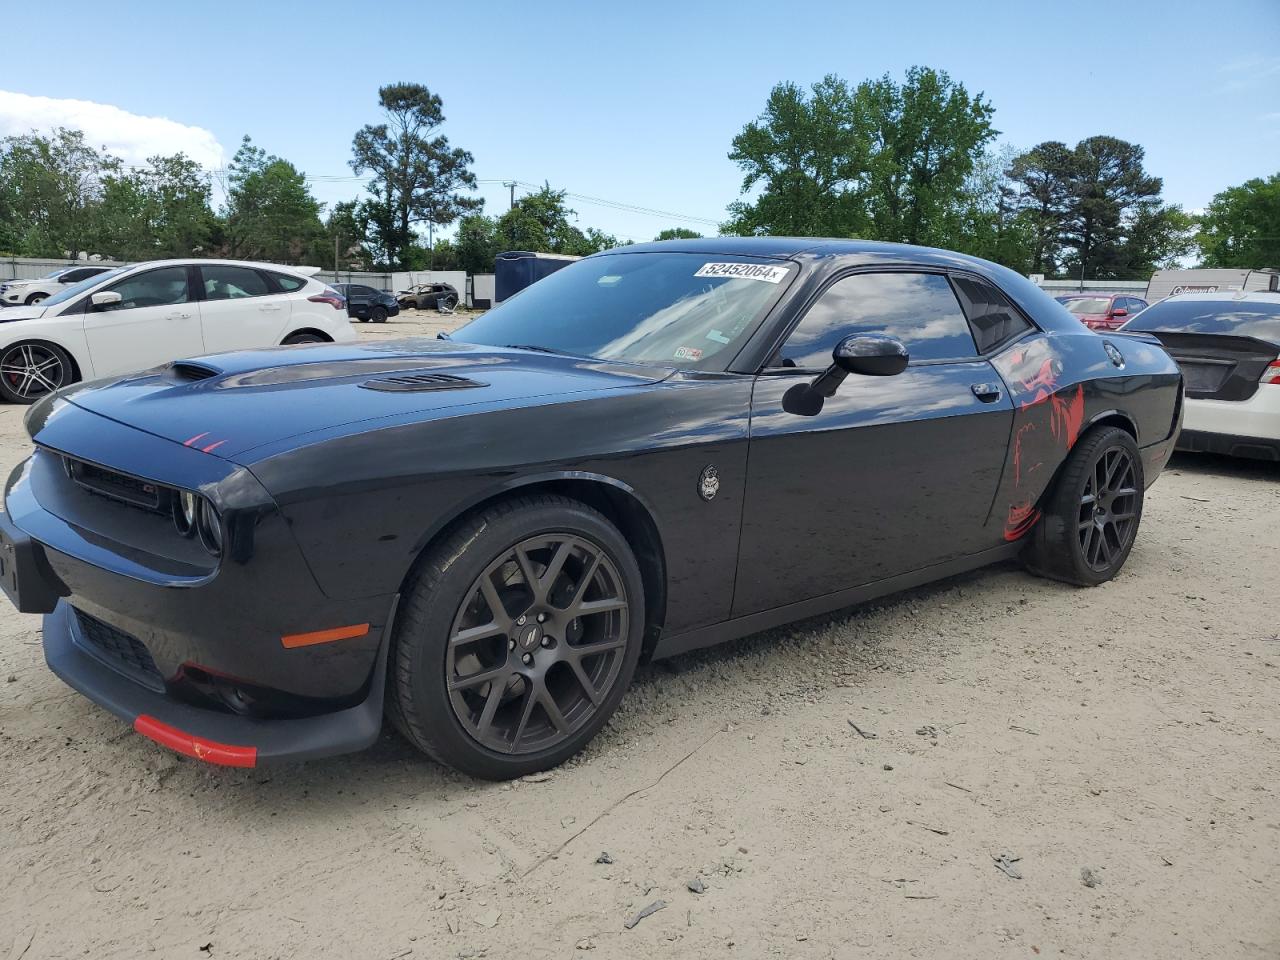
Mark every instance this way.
x=1103 y=312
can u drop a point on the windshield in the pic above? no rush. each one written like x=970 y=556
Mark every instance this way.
x=1241 y=318
x=62 y=296
x=683 y=309
x=1087 y=305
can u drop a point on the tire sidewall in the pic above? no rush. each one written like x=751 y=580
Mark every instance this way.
x=1111 y=438
x=68 y=376
x=428 y=637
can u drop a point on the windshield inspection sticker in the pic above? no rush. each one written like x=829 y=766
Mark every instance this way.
x=688 y=353
x=743 y=271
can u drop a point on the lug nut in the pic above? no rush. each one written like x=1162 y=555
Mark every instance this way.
x=521 y=619
x=542 y=618
x=511 y=644
x=546 y=641
x=528 y=659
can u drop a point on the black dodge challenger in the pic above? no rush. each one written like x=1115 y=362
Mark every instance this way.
x=251 y=556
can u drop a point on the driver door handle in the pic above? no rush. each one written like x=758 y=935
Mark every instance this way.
x=986 y=392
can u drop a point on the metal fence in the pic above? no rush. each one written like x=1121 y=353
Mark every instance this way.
x=31 y=268
x=1130 y=288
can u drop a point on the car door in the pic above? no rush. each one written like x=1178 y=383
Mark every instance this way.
x=240 y=308
x=155 y=321
x=360 y=300
x=891 y=474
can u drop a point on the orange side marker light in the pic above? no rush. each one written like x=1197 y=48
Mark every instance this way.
x=324 y=636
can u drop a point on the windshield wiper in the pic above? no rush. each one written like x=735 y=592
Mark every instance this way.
x=535 y=347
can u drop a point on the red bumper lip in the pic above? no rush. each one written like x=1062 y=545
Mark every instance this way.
x=188 y=744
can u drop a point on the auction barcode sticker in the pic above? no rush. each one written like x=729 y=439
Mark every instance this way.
x=743 y=271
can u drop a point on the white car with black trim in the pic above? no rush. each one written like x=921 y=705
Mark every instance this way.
x=1228 y=346
x=133 y=318
x=30 y=292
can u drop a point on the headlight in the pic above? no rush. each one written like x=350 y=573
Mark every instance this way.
x=185 y=512
x=210 y=527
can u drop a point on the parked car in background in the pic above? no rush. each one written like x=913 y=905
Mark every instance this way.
x=1105 y=312
x=429 y=296
x=132 y=318
x=29 y=292
x=642 y=454
x=1228 y=346
x=368 y=303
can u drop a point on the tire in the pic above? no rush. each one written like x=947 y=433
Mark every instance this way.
x=378 y=314
x=35 y=298
x=30 y=371
x=1092 y=514
x=428 y=697
x=449 y=301
x=303 y=338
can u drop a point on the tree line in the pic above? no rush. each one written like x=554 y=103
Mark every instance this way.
x=911 y=161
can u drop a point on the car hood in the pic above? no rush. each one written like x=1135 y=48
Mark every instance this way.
x=9 y=314
x=230 y=403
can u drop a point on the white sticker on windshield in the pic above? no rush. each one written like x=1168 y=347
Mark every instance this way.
x=743 y=271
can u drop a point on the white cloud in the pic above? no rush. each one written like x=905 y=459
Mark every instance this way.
x=127 y=135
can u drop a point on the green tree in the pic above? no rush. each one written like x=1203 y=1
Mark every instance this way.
x=417 y=177
x=476 y=243
x=160 y=210
x=678 y=233
x=884 y=160
x=52 y=192
x=1157 y=236
x=345 y=229
x=1041 y=191
x=807 y=155
x=925 y=137
x=270 y=212
x=541 y=222
x=1241 y=227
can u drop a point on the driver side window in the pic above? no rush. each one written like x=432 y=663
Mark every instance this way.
x=154 y=288
x=919 y=309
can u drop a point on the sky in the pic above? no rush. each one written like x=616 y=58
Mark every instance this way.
x=635 y=105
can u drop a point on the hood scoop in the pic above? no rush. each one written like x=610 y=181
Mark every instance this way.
x=421 y=382
x=185 y=371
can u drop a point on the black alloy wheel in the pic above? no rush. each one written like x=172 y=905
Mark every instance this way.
x=29 y=371
x=378 y=314
x=1091 y=513
x=537 y=643
x=1108 y=509
x=516 y=637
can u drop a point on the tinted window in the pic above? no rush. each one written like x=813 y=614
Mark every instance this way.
x=232 y=283
x=1239 y=318
x=917 y=308
x=364 y=291
x=994 y=319
x=287 y=283
x=682 y=309
x=151 y=288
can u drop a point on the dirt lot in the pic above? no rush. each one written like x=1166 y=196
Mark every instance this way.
x=837 y=789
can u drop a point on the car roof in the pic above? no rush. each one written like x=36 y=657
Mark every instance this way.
x=209 y=261
x=1225 y=296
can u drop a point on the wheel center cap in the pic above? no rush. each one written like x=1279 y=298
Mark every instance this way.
x=529 y=636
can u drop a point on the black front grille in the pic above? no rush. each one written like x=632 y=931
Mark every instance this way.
x=122 y=651
x=118 y=486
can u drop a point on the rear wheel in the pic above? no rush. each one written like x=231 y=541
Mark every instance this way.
x=304 y=338
x=378 y=314
x=517 y=638
x=29 y=371
x=1092 y=515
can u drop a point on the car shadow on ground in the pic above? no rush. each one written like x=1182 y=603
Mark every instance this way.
x=1220 y=465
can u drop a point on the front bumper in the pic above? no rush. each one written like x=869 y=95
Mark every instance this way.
x=214 y=737
x=244 y=662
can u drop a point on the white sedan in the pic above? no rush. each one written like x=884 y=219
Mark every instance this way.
x=29 y=292
x=132 y=318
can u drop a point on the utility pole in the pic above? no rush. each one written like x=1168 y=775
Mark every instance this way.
x=511 y=185
x=336 y=278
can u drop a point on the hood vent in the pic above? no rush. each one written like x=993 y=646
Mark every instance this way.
x=184 y=371
x=421 y=382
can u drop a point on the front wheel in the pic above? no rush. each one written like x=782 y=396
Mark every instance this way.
x=35 y=298
x=378 y=315
x=29 y=371
x=1092 y=514
x=516 y=638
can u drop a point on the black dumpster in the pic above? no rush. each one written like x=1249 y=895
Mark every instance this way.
x=516 y=269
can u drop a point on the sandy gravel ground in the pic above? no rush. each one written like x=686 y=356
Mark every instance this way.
x=838 y=789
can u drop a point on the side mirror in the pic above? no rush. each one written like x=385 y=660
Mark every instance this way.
x=105 y=298
x=1120 y=312
x=866 y=354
